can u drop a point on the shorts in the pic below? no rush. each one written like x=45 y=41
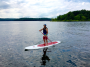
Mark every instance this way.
x=45 y=37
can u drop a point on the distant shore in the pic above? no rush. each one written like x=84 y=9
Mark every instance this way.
x=25 y=19
x=79 y=15
x=70 y=21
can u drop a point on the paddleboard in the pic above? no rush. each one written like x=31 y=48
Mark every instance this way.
x=38 y=46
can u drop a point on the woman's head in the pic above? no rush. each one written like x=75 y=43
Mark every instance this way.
x=44 y=25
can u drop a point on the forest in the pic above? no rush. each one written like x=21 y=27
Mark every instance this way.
x=25 y=19
x=79 y=15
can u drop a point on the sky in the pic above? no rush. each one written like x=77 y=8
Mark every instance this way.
x=40 y=8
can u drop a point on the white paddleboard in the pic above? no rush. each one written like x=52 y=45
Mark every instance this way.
x=38 y=46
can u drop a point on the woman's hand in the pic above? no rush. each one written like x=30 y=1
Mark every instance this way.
x=39 y=30
x=45 y=35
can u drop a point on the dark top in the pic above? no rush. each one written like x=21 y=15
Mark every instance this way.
x=44 y=30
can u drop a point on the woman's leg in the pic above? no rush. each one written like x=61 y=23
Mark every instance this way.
x=44 y=39
x=46 y=42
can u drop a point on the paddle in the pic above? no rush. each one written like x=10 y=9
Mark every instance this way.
x=48 y=38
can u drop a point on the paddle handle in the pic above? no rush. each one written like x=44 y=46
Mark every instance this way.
x=48 y=38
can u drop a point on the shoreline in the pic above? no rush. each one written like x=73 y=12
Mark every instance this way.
x=70 y=21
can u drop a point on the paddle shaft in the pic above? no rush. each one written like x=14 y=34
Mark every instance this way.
x=48 y=38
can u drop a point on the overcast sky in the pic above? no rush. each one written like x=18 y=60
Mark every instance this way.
x=40 y=8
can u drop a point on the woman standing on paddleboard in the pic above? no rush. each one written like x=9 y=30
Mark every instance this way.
x=45 y=32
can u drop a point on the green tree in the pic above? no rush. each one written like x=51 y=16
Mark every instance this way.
x=83 y=18
x=77 y=17
x=71 y=16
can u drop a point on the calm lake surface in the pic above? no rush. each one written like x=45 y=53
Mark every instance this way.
x=73 y=51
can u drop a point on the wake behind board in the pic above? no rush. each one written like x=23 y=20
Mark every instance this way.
x=38 y=46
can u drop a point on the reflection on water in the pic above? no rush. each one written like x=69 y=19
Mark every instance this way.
x=74 y=51
x=69 y=61
x=44 y=58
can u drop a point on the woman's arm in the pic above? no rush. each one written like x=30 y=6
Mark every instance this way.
x=41 y=29
x=47 y=31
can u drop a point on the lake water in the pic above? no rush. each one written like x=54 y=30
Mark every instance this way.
x=73 y=51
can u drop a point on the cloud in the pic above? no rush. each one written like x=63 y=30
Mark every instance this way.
x=40 y=8
x=4 y=5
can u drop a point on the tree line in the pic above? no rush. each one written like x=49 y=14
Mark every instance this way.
x=25 y=19
x=80 y=15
